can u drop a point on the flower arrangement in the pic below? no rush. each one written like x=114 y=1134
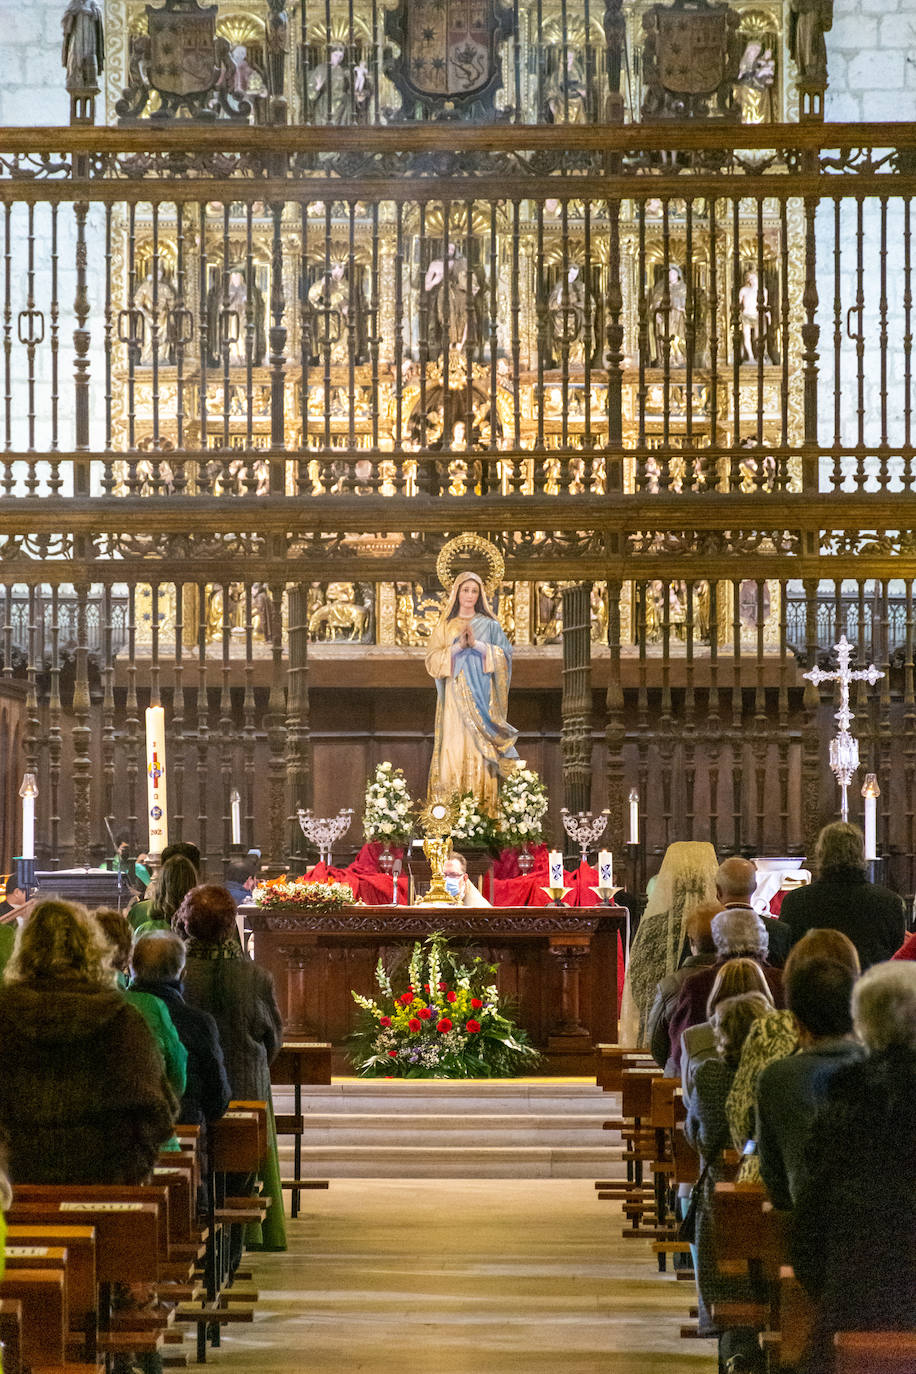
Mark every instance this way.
x=522 y=808
x=279 y=892
x=473 y=825
x=447 y=1023
x=388 y=809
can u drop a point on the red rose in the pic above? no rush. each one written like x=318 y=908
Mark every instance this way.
x=451 y=997
x=426 y=987
x=472 y=1027
x=392 y=1054
x=425 y=1013
x=442 y=987
x=414 y=1025
x=384 y=1020
x=476 y=1003
x=406 y=998
x=444 y=1025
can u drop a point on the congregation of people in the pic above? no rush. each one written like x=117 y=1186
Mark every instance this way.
x=115 y=1027
x=794 y=1040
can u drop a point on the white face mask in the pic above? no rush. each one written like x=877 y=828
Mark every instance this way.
x=453 y=886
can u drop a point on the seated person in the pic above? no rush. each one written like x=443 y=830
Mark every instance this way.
x=167 y=891
x=702 y=953
x=157 y=964
x=735 y=977
x=459 y=884
x=241 y=880
x=116 y=931
x=790 y=1091
x=854 y=1231
x=737 y=933
x=80 y=1071
x=12 y=903
x=776 y=1037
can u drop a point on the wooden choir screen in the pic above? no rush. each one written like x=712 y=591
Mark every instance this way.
x=257 y=391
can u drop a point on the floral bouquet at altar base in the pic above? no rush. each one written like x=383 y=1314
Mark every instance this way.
x=473 y=827
x=522 y=808
x=278 y=892
x=447 y=1023
x=388 y=808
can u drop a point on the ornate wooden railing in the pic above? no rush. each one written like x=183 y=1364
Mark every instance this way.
x=242 y=368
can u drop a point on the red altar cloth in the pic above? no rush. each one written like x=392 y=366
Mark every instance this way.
x=510 y=888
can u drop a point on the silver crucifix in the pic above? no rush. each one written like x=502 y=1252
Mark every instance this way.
x=844 y=747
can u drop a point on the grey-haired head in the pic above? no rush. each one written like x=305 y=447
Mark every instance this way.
x=739 y=930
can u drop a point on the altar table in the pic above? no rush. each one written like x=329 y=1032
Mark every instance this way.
x=556 y=966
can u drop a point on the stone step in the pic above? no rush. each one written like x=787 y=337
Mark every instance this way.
x=468 y=1097
x=469 y=1161
x=375 y=1128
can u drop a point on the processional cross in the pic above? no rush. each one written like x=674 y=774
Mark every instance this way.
x=844 y=747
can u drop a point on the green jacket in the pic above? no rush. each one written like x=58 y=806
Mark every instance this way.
x=7 y=940
x=174 y=1055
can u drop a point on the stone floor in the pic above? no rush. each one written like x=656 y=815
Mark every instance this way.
x=476 y=1276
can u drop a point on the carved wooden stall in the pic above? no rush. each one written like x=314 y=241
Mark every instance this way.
x=269 y=373
x=558 y=967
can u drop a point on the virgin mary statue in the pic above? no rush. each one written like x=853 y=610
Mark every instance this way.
x=471 y=660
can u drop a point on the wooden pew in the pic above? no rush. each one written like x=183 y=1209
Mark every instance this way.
x=45 y=1323
x=300 y=1063
x=78 y=1243
x=11 y=1334
x=875 y=1352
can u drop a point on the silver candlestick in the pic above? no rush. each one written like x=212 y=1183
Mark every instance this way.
x=844 y=747
x=584 y=829
x=324 y=831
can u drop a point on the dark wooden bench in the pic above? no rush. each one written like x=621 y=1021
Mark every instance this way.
x=300 y=1063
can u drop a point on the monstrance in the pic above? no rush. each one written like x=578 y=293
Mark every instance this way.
x=437 y=819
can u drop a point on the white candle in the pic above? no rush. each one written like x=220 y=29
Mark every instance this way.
x=605 y=868
x=634 y=817
x=555 y=865
x=871 y=828
x=235 y=806
x=28 y=792
x=157 y=804
x=871 y=792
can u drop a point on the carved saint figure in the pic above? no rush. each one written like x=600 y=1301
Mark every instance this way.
x=460 y=317
x=566 y=92
x=471 y=660
x=566 y=307
x=277 y=36
x=668 y=314
x=160 y=315
x=227 y=320
x=328 y=90
x=329 y=317
x=749 y=305
x=809 y=20
x=83 y=51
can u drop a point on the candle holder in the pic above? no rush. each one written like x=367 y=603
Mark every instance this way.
x=606 y=895
x=25 y=874
x=584 y=829
x=556 y=895
x=324 y=831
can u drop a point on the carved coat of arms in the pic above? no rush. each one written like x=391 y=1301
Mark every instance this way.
x=690 y=57
x=449 y=53
x=182 y=48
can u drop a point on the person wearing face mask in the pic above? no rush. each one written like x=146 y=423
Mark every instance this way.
x=458 y=884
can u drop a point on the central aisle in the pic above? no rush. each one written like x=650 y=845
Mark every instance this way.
x=479 y=1276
